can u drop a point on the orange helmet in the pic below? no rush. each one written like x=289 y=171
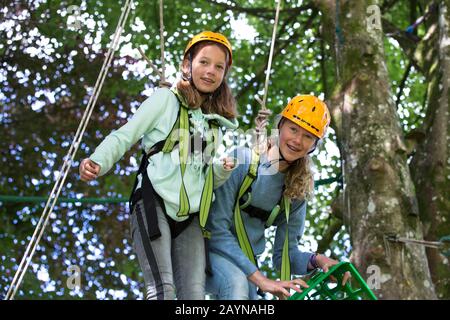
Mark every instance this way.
x=310 y=113
x=210 y=36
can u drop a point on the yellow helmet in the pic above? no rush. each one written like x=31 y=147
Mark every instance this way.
x=210 y=36
x=310 y=113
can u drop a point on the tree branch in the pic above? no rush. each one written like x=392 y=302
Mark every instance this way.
x=261 y=12
x=278 y=48
x=388 y=5
x=407 y=42
x=323 y=65
x=328 y=235
x=336 y=222
x=402 y=84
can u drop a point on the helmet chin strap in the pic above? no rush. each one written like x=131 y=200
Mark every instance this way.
x=314 y=146
x=189 y=77
x=282 y=158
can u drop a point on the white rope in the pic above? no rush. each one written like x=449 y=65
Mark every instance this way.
x=69 y=158
x=161 y=73
x=150 y=63
x=161 y=31
x=430 y=244
x=269 y=65
x=261 y=119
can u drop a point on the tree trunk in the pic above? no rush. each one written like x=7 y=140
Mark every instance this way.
x=430 y=165
x=379 y=198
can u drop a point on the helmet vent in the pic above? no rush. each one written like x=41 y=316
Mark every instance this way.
x=314 y=109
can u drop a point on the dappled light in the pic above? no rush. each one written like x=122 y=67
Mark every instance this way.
x=51 y=56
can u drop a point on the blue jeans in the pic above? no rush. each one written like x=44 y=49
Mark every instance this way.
x=228 y=282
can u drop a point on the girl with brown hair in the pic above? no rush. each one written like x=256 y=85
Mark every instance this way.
x=173 y=191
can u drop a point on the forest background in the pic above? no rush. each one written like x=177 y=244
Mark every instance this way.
x=382 y=174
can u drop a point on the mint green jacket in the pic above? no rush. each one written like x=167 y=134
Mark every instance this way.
x=153 y=122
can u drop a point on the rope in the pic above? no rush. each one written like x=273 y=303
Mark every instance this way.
x=430 y=244
x=161 y=31
x=43 y=221
x=161 y=73
x=151 y=64
x=339 y=41
x=419 y=21
x=36 y=199
x=269 y=64
x=444 y=241
x=119 y=199
x=261 y=120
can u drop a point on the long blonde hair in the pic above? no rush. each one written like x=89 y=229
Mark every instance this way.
x=299 y=180
x=220 y=101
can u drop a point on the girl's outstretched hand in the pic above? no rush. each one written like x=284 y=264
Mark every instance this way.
x=89 y=170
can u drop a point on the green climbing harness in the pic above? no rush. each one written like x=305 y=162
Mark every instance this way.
x=179 y=134
x=241 y=232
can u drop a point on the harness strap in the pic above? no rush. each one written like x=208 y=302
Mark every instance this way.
x=285 y=261
x=179 y=134
x=146 y=189
x=261 y=214
x=183 y=135
x=241 y=232
x=208 y=187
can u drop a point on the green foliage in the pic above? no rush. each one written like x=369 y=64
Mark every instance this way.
x=410 y=107
x=47 y=73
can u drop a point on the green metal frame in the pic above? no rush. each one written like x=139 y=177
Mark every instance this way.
x=321 y=287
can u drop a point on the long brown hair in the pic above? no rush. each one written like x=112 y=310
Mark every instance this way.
x=220 y=101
